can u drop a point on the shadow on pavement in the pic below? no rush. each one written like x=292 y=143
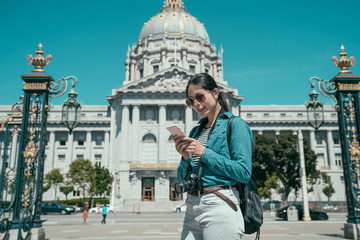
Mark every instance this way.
x=332 y=235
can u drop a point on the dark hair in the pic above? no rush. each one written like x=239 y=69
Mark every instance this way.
x=207 y=82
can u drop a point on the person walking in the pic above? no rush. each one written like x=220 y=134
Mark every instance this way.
x=104 y=213
x=208 y=170
x=85 y=215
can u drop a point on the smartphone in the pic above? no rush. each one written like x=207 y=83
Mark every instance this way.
x=176 y=131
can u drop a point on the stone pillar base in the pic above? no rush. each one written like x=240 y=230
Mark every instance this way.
x=36 y=234
x=350 y=231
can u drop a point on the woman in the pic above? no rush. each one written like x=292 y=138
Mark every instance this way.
x=213 y=212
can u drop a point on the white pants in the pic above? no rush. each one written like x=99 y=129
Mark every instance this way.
x=209 y=217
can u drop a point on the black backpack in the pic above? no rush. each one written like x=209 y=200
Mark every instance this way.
x=250 y=202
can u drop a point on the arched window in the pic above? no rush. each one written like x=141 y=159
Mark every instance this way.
x=149 y=138
x=149 y=148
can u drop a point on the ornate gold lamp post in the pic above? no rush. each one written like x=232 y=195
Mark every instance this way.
x=344 y=89
x=24 y=191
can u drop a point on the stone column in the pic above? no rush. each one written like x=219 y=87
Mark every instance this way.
x=127 y=72
x=184 y=60
x=135 y=133
x=313 y=140
x=330 y=147
x=215 y=71
x=145 y=66
x=106 y=149
x=162 y=131
x=163 y=59
x=70 y=148
x=132 y=71
x=188 y=120
x=51 y=150
x=88 y=145
x=113 y=134
x=125 y=133
x=202 y=63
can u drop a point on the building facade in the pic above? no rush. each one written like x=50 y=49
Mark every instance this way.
x=129 y=135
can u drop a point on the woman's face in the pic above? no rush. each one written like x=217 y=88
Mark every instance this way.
x=203 y=101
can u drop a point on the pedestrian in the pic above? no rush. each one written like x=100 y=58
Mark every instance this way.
x=85 y=215
x=208 y=170
x=104 y=213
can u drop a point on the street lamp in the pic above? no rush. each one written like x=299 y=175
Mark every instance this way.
x=71 y=110
x=344 y=89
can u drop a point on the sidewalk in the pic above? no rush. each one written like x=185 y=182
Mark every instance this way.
x=169 y=226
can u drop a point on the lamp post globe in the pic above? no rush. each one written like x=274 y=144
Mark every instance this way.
x=314 y=109
x=71 y=111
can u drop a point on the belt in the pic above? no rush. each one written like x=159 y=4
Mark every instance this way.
x=215 y=190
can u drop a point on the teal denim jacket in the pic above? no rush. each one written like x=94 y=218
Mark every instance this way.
x=219 y=167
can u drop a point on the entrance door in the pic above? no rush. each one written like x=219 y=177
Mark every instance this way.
x=148 y=189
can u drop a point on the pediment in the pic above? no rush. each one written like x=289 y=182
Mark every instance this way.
x=173 y=79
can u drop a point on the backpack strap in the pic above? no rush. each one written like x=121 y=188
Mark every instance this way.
x=229 y=131
x=239 y=186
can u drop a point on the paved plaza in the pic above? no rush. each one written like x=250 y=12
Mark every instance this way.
x=169 y=225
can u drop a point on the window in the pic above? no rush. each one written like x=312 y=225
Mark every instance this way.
x=249 y=115
x=299 y=114
x=206 y=70
x=61 y=157
x=266 y=114
x=81 y=140
x=63 y=140
x=98 y=159
x=99 y=115
x=98 y=140
x=192 y=68
x=342 y=179
x=78 y=156
x=338 y=160
x=319 y=138
x=174 y=113
x=283 y=114
x=149 y=138
x=173 y=195
x=76 y=193
x=336 y=139
x=148 y=189
x=148 y=113
x=156 y=68
x=141 y=73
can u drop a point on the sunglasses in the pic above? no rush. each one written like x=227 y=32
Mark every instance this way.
x=200 y=98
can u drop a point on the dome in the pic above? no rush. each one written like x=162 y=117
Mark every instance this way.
x=173 y=19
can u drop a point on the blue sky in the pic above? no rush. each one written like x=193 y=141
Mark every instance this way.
x=271 y=48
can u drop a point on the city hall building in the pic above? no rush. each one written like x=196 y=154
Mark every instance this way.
x=129 y=135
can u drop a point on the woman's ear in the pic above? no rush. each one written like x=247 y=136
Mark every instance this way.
x=216 y=92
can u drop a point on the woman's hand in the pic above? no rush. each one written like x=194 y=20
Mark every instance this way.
x=180 y=144
x=187 y=146
x=194 y=147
